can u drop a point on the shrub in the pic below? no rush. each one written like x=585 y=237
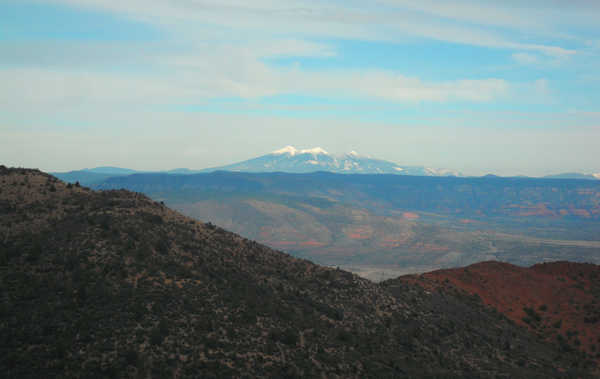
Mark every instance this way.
x=557 y=324
x=131 y=357
x=532 y=314
x=159 y=333
x=288 y=336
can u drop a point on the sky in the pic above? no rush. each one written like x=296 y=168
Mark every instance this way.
x=510 y=87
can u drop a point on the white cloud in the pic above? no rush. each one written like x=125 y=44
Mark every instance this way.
x=553 y=51
x=207 y=77
x=74 y=74
x=394 y=87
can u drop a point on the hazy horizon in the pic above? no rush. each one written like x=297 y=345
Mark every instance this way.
x=477 y=87
x=299 y=150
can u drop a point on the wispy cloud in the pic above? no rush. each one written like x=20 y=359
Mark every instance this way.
x=199 y=65
x=540 y=16
x=25 y=88
x=392 y=20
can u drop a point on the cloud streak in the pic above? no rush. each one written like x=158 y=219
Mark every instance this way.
x=34 y=87
x=392 y=20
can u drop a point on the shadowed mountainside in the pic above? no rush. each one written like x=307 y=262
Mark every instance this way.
x=559 y=301
x=97 y=284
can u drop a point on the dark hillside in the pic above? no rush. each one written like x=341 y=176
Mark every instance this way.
x=113 y=284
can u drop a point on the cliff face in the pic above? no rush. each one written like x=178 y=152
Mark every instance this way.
x=114 y=284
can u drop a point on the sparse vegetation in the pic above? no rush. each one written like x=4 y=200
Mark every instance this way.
x=108 y=284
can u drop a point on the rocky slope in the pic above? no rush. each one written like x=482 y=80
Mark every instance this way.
x=108 y=284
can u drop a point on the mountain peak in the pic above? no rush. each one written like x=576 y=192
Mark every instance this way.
x=289 y=149
x=293 y=160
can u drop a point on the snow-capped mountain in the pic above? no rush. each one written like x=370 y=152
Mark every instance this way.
x=290 y=159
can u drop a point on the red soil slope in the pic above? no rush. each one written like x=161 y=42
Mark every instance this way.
x=560 y=300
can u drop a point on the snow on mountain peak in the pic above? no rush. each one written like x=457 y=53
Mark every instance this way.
x=354 y=155
x=291 y=150
x=314 y=151
x=287 y=150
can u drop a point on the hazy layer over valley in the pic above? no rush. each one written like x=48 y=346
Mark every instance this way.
x=384 y=225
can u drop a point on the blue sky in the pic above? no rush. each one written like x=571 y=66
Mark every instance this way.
x=474 y=86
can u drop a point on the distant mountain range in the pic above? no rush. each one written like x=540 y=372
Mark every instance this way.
x=288 y=159
x=296 y=161
x=292 y=160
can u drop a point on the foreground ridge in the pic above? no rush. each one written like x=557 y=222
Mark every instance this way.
x=112 y=283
